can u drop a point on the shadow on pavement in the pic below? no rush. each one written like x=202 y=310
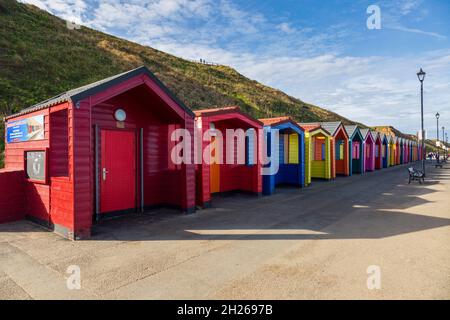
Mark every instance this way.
x=373 y=201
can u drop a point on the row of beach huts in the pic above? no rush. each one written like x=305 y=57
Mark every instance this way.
x=104 y=150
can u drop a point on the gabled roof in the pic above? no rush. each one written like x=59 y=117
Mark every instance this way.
x=375 y=135
x=83 y=92
x=352 y=130
x=273 y=122
x=214 y=111
x=310 y=127
x=390 y=138
x=223 y=111
x=332 y=127
x=365 y=132
x=276 y=120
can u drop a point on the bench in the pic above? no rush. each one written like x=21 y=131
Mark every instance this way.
x=416 y=175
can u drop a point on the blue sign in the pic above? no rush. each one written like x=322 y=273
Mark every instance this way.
x=28 y=129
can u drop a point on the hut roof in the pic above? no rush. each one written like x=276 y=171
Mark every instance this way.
x=85 y=91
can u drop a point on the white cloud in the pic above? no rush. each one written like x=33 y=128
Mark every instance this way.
x=286 y=28
x=305 y=63
x=395 y=13
x=71 y=10
x=418 y=31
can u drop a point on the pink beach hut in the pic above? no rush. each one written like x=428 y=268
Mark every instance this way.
x=369 y=150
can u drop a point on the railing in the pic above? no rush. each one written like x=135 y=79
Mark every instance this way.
x=207 y=63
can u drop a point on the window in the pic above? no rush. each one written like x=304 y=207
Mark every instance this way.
x=355 y=150
x=339 y=150
x=376 y=151
x=59 y=144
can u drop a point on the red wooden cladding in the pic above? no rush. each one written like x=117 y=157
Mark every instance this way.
x=12 y=192
x=164 y=184
x=69 y=197
x=235 y=176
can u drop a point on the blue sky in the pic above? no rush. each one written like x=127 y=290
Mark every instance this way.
x=319 y=51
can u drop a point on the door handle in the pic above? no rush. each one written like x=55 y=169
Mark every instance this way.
x=104 y=172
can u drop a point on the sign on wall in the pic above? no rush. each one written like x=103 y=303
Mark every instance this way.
x=36 y=165
x=28 y=129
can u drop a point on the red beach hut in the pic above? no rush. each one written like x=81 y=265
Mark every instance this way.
x=219 y=175
x=105 y=151
x=378 y=150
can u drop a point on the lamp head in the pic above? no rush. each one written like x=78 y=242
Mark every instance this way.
x=421 y=75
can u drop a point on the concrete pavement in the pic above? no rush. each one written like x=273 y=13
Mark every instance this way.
x=314 y=243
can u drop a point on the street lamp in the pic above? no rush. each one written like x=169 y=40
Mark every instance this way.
x=437 y=134
x=421 y=75
x=437 y=125
x=443 y=145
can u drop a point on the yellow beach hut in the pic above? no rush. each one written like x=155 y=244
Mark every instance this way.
x=392 y=150
x=319 y=152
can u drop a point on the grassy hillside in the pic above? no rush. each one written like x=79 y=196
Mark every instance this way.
x=40 y=57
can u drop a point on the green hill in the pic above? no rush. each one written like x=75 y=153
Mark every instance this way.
x=40 y=57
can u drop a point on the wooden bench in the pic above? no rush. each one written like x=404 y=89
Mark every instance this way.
x=416 y=175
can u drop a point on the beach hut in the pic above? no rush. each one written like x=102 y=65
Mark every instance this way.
x=378 y=150
x=412 y=155
x=385 y=150
x=369 y=150
x=356 y=151
x=397 y=150
x=416 y=151
x=103 y=152
x=402 y=151
x=411 y=158
x=290 y=167
x=407 y=151
x=341 y=164
x=224 y=171
x=319 y=152
x=405 y=158
x=392 y=151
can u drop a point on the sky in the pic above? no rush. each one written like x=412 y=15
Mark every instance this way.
x=322 y=52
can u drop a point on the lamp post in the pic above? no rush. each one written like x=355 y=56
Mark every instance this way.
x=421 y=75
x=446 y=146
x=437 y=135
x=443 y=145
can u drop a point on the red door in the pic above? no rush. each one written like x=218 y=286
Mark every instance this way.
x=118 y=171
